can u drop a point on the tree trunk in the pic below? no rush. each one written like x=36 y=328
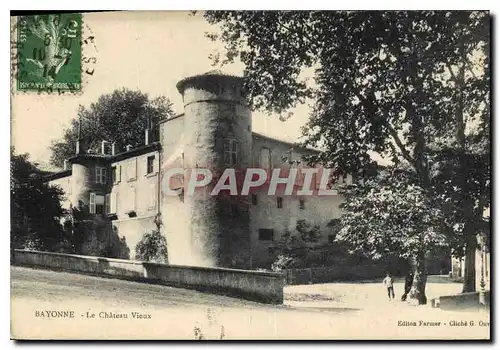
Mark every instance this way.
x=470 y=264
x=420 y=279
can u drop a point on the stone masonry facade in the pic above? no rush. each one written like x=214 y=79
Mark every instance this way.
x=215 y=132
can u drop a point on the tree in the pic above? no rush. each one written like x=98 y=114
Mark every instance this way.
x=120 y=117
x=94 y=235
x=410 y=86
x=35 y=207
x=388 y=214
x=296 y=249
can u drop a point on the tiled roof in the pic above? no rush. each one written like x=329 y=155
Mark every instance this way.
x=292 y=144
x=119 y=156
x=57 y=175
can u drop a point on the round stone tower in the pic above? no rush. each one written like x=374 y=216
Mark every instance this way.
x=83 y=180
x=218 y=136
x=81 y=175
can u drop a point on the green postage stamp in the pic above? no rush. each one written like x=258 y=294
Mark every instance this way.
x=49 y=52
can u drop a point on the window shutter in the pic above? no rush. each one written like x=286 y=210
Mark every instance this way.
x=112 y=204
x=92 y=203
x=119 y=173
x=108 y=204
x=152 y=194
x=132 y=169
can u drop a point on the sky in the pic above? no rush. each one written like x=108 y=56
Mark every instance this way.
x=148 y=51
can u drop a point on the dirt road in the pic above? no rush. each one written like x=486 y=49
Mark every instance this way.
x=101 y=308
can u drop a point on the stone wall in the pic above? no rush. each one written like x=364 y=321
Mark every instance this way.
x=265 y=214
x=80 y=263
x=135 y=189
x=133 y=229
x=253 y=285
x=462 y=301
x=136 y=194
x=264 y=287
x=333 y=274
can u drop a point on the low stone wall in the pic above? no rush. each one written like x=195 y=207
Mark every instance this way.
x=259 y=286
x=461 y=301
x=334 y=274
x=254 y=285
x=80 y=263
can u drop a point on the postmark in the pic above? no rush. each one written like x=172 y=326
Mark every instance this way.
x=49 y=52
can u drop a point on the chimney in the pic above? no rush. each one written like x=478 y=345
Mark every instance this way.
x=77 y=147
x=129 y=147
x=113 y=148
x=65 y=165
x=146 y=137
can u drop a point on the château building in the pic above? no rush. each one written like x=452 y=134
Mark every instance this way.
x=215 y=132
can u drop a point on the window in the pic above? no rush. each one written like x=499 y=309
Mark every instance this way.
x=113 y=175
x=97 y=204
x=116 y=174
x=108 y=204
x=302 y=204
x=254 y=199
x=231 y=150
x=266 y=234
x=132 y=170
x=233 y=209
x=111 y=203
x=265 y=158
x=150 y=165
x=100 y=175
x=279 y=202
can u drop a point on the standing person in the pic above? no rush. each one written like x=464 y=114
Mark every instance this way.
x=389 y=284
x=408 y=284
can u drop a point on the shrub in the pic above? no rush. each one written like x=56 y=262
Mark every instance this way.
x=281 y=263
x=153 y=246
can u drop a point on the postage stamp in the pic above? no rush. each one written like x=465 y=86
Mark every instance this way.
x=49 y=52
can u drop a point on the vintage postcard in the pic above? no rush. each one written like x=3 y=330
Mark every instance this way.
x=250 y=175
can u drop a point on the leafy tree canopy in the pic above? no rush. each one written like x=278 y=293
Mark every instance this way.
x=412 y=86
x=120 y=117
x=377 y=75
x=35 y=207
x=387 y=214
